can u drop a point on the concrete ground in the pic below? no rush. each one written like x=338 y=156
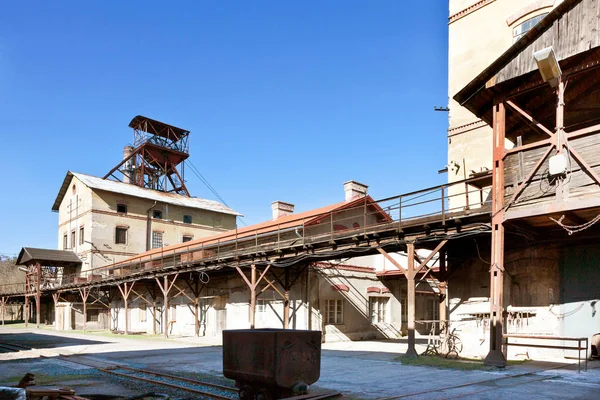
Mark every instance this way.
x=368 y=369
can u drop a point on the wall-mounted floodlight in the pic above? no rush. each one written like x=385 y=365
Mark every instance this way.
x=548 y=66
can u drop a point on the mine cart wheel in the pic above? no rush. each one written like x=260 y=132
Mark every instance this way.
x=246 y=393
x=264 y=394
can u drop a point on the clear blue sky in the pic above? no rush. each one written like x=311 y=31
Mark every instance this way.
x=284 y=100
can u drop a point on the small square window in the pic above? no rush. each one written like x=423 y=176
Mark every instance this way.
x=187 y=219
x=157 y=214
x=157 y=240
x=187 y=238
x=92 y=315
x=120 y=235
x=122 y=208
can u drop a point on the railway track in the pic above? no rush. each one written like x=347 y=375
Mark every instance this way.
x=201 y=388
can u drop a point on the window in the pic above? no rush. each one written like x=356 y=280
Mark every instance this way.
x=92 y=315
x=433 y=308
x=65 y=243
x=142 y=310
x=122 y=208
x=73 y=239
x=217 y=222
x=334 y=311
x=157 y=240
x=187 y=238
x=157 y=214
x=261 y=305
x=120 y=235
x=378 y=309
x=187 y=219
x=520 y=30
x=81 y=235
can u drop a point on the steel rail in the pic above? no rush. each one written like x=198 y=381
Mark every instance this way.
x=171 y=385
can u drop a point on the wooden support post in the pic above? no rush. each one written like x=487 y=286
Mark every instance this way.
x=125 y=292
x=154 y=315
x=38 y=294
x=443 y=311
x=84 y=292
x=495 y=357
x=286 y=300
x=410 y=277
x=196 y=308
x=166 y=308
x=165 y=288
x=252 y=296
x=26 y=311
x=55 y=297
x=3 y=300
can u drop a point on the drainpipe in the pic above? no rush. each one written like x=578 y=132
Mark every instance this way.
x=149 y=226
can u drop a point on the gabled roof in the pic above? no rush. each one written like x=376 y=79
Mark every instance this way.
x=29 y=255
x=94 y=182
x=290 y=221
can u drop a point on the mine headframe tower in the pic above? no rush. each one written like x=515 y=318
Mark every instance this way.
x=152 y=161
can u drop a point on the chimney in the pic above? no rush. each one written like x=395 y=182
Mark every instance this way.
x=127 y=150
x=354 y=190
x=281 y=209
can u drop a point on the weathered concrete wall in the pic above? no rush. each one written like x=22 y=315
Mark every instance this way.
x=548 y=290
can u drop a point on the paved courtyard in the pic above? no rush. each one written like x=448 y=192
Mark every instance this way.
x=368 y=369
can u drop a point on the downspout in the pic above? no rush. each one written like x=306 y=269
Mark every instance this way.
x=149 y=225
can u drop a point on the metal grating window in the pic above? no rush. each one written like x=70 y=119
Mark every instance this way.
x=92 y=315
x=157 y=214
x=121 y=235
x=157 y=240
x=187 y=219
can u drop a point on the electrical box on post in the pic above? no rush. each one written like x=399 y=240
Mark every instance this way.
x=557 y=164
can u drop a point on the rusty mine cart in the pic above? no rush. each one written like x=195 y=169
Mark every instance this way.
x=270 y=364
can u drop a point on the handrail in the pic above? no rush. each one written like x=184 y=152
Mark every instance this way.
x=357 y=217
x=579 y=340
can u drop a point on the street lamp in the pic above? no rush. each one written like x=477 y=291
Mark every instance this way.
x=548 y=66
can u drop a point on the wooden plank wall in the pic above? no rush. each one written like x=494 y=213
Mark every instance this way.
x=518 y=166
x=575 y=32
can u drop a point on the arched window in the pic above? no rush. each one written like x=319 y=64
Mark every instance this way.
x=520 y=30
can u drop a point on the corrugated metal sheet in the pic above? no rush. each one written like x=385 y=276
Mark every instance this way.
x=46 y=256
x=127 y=189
